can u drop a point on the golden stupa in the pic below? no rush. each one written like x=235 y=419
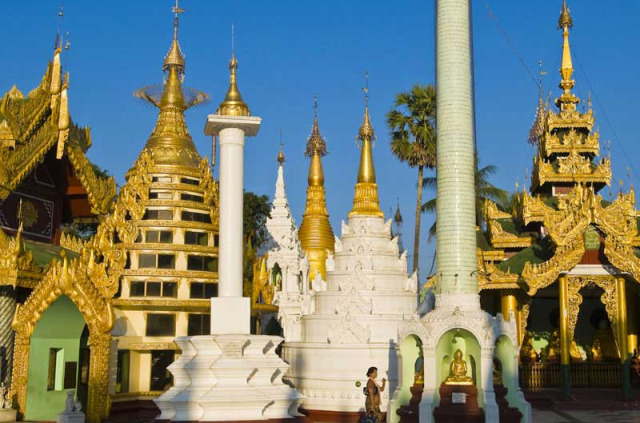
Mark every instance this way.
x=316 y=234
x=365 y=201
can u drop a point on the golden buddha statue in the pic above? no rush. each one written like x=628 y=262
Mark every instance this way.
x=528 y=353
x=604 y=338
x=553 y=349
x=458 y=371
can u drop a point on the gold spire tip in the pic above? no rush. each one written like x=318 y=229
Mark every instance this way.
x=233 y=104
x=174 y=57
x=565 y=16
x=280 y=157
x=316 y=144
x=366 y=130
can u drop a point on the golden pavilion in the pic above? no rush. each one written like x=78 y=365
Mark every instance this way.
x=561 y=259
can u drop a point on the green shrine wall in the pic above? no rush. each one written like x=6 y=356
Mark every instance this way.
x=61 y=326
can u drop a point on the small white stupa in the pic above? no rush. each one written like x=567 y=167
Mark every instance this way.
x=287 y=265
x=354 y=316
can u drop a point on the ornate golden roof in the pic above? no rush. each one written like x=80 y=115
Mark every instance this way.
x=316 y=234
x=32 y=126
x=365 y=201
x=233 y=104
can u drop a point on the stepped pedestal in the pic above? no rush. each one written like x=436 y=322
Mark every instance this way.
x=228 y=378
x=458 y=403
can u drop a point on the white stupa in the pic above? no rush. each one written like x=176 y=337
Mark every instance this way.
x=354 y=316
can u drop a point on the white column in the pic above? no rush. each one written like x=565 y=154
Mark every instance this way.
x=230 y=311
x=231 y=201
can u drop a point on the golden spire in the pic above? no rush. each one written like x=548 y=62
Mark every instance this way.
x=316 y=234
x=567 y=101
x=233 y=104
x=170 y=142
x=398 y=217
x=280 y=157
x=365 y=201
x=174 y=57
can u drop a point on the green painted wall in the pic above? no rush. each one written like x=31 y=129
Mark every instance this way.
x=61 y=326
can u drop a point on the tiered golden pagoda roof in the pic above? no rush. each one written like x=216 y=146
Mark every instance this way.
x=316 y=234
x=365 y=201
x=567 y=144
x=545 y=233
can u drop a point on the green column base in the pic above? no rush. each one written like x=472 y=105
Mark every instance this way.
x=565 y=373
x=626 y=380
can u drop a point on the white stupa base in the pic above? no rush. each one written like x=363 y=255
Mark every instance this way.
x=327 y=373
x=462 y=311
x=228 y=378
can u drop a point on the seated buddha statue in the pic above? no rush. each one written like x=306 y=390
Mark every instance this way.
x=527 y=351
x=553 y=349
x=458 y=371
x=606 y=340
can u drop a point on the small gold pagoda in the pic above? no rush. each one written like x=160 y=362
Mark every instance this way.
x=562 y=258
x=365 y=201
x=316 y=234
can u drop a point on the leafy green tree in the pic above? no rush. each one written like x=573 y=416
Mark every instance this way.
x=485 y=190
x=413 y=140
x=255 y=213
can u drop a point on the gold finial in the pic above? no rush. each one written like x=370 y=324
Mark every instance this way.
x=280 y=157
x=315 y=143
x=366 y=130
x=398 y=217
x=365 y=201
x=537 y=129
x=56 y=42
x=565 y=16
x=175 y=57
x=233 y=104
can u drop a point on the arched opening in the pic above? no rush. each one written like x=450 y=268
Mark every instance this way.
x=411 y=381
x=504 y=372
x=448 y=344
x=56 y=360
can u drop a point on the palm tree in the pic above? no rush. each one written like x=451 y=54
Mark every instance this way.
x=413 y=139
x=485 y=190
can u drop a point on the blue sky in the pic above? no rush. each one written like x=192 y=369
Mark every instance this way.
x=288 y=50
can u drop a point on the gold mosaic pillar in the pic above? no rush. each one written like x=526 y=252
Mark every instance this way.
x=565 y=341
x=508 y=303
x=621 y=292
x=632 y=321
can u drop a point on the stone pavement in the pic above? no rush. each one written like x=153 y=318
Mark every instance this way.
x=586 y=416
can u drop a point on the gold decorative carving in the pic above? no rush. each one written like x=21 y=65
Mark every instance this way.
x=151 y=346
x=71 y=243
x=162 y=302
x=566 y=257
